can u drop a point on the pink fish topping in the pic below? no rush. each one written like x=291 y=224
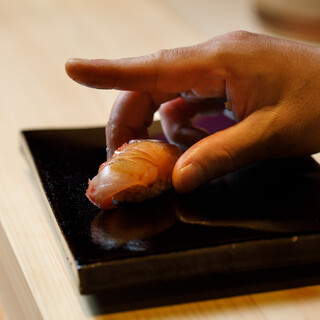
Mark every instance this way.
x=138 y=170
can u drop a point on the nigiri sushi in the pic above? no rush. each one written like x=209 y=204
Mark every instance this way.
x=138 y=170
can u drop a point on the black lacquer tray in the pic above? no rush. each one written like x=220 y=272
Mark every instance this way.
x=263 y=217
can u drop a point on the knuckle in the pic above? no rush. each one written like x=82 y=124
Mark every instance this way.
x=158 y=60
x=164 y=55
x=241 y=35
x=234 y=47
x=224 y=159
x=281 y=132
x=160 y=55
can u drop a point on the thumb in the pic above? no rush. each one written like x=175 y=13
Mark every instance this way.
x=245 y=143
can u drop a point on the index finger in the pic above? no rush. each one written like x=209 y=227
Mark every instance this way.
x=170 y=71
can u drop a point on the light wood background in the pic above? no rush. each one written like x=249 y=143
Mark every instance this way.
x=36 y=38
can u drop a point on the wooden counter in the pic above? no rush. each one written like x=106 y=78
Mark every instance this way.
x=36 y=39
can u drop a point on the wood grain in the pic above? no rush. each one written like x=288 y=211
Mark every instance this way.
x=2 y=313
x=37 y=37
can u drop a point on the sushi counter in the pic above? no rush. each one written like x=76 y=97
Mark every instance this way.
x=63 y=258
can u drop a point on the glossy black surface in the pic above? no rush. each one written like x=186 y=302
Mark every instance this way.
x=277 y=200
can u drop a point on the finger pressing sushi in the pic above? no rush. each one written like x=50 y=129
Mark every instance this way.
x=138 y=170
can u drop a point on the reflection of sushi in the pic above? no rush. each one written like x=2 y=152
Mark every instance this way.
x=131 y=226
x=138 y=170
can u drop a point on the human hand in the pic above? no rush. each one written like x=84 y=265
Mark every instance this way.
x=272 y=87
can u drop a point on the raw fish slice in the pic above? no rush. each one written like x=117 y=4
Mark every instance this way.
x=138 y=170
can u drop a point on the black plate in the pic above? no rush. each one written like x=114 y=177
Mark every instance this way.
x=261 y=217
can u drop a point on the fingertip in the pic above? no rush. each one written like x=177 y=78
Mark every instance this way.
x=70 y=62
x=77 y=60
x=188 y=178
x=84 y=71
x=70 y=66
x=74 y=64
x=73 y=60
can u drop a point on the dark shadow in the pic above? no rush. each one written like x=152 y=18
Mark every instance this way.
x=203 y=288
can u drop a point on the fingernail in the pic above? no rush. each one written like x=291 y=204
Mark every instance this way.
x=77 y=60
x=189 y=178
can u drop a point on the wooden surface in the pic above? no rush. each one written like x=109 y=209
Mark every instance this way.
x=36 y=38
